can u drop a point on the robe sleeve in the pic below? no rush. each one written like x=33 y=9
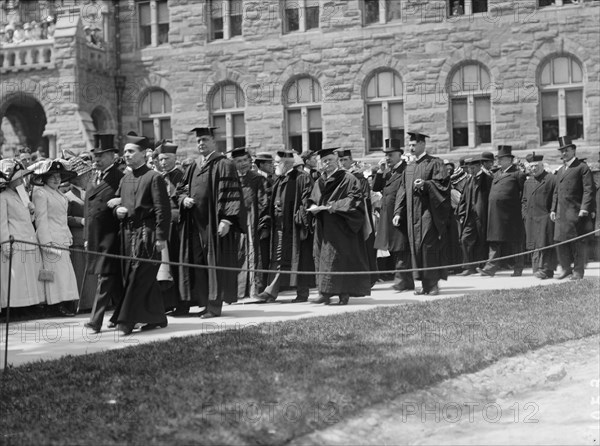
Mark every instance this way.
x=305 y=187
x=229 y=198
x=438 y=186
x=162 y=207
x=351 y=206
x=264 y=220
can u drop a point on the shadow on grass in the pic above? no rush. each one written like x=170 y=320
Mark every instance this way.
x=269 y=383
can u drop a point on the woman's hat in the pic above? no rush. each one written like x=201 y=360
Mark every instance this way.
x=80 y=166
x=42 y=169
x=11 y=170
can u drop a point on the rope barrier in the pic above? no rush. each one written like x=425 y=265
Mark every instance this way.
x=270 y=271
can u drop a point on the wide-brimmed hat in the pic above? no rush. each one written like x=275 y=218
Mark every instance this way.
x=564 y=142
x=46 y=167
x=264 y=156
x=80 y=166
x=11 y=170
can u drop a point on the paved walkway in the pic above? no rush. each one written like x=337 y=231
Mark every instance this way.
x=52 y=338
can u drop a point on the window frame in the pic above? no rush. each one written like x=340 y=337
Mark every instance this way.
x=467 y=6
x=471 y=96
x=385 y=102
x=226 y=17
x=561 y=90
x=154 y=23
x=229 y=114
x=384 y=10
x=304 y=108
x=302 y=7
x=155 y=118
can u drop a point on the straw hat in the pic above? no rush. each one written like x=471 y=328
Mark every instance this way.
x=42 y=169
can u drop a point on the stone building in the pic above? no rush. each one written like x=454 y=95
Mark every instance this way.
x=299 y=73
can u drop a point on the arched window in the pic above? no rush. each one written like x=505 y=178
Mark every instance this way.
x=155 y=115
x=469 y=92
x=303 y=114
x=561 y=89
x=385 y=109
x=227 y=113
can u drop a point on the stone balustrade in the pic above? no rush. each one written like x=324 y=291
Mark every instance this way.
x=96 y=57
x=29 y=55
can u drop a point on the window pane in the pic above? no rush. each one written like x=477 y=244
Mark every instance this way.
x=294 y=122
x=163 y=11
x=456 y=85
x=241 y=101
x=482 y=110
x=148 y=128
x=459 y=111
x=479 y=6
x=575 y=127
x=216 y=9
x=485 y=78
x=305 y=90
x=316 y=91
x=574 y=102
x=312 y=17
x=545 y=77
x=549 y=130
x=375 y=139
x=543 y=3
x=292 y=96
x=460 y=136
x=314 y=119
x=239 y=141
x=145 y=109
x=372 y=88
x=145 y=35
x=371 y=11
x=165 y=129
x=236 y=7
x=577 y=75
x=292 y=20
x=471 y=78
x=239 y=126
x=216 y=100
x=167 y=100
x=163 y=33
x=386 y=82
x=397 y=134
x=217 y=28
x=375 y=116
x=236 y=25
x=458 y=7
x=484 y=134
x=549 y=105
x=393 y=10
x=219 y=121
x=144 y=13
x=315 y=141
x=397 y=86
x=156 y=102
x=561 y=70
x=229 y=93
x=397 y=115
x=295 y=143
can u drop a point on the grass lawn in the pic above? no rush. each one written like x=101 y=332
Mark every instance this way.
x=270 y=383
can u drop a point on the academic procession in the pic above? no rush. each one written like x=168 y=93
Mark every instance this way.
x=135 y=231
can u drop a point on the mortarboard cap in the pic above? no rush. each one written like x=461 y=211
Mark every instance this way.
x=204 y=131
x=166 y=147
x=344 y=152
x=286 y=153
x=416 y=136
x=532 y=158
x=239 y=151
x=327 y=151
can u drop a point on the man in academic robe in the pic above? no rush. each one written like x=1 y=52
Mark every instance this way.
x=265 y=168
x=505 y=222
x=573 y=201
x=291 y=230
x=257 y=206
x=347 y=163
x=101 y=230
x=388 y=236
x=166 y=165
x=338 y=206
x=472 y=214
x=212 y=215
x=145 y=212
x=538 y=193
x=423 y=205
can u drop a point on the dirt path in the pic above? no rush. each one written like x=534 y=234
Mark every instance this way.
x=547 y=396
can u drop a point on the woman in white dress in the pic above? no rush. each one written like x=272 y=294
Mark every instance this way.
x=15 y=220
x=52 y=229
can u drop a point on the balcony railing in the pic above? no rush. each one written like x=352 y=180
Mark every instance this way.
x=96 y=58
x=29 y=55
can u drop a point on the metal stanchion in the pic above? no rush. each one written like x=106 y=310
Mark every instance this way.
x=11 y=240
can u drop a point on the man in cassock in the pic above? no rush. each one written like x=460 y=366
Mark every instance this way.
x=572 y=204
x=257 y=204
x=291 y=230
x=145 y=212
x=338 y=205
x=347 y=163
x=101 y=230
x=212 y=215
x=423 y=204
x=505 y=222
x=388 y=236
x=538 y=193
x=166 y=165
x=472 y=213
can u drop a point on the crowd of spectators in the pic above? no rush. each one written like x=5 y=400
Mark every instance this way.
x=16 y=32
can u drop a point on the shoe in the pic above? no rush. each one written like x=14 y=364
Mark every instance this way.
x=467 y=272
x=208 y=315
x=541 y=275
x=322 y=300
x=125 y=329
x=92 y=327
x=517 y=273
x=434 y=291
x=202 y=313
x=564 y=275
x=180 y=311
x=576 y=276
x=344 y=299
x=401 y=288
x=421 y=292
x=485 y=272
x=266 y=297
x=153 y=326
x=111 y=325
x=64 y=311
x=298 y=300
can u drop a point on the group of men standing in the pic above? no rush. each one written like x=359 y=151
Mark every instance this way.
x=226 y=218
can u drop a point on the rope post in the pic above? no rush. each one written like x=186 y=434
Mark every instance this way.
x=11 y=240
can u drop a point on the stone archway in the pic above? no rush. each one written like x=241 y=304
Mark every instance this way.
x=24 y=118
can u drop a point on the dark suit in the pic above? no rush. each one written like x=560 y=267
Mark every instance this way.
x=574 y=192
x=102 y=234
x=505 y=223
x=389 y=237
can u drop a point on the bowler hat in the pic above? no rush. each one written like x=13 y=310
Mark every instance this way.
x=487 y=156
x=564 y=142
x=264 y=156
